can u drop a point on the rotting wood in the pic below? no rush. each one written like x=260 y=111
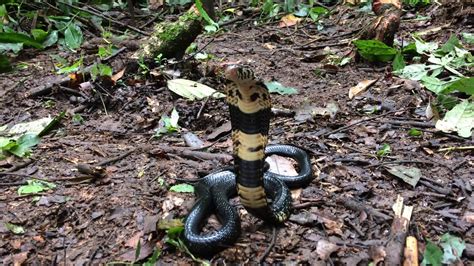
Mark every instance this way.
x=398 y=232
x=411 y=252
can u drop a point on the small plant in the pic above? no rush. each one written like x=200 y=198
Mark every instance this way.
x=167 y=124
x=384 y=150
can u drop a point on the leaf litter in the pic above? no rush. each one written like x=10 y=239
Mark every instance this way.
x=350 y=168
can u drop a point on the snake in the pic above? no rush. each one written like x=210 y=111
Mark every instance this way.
x=262 y=193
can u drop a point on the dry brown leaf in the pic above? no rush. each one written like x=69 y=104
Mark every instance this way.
x=20 y=258
x=469 y=217
x=133 y=241
x=361 y=87
x=289 y=20
x=281 y=165
x=269 y=46
x=118 y=75
x=325 y=248
x=332 y=226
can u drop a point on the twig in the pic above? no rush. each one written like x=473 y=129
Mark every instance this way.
x=410 y=123
x=116 y=158
x=359 y=206
x=359 y=122
x=269 y=248
x=306 y=204
x=462 y=148
x=106 y=18
x=16 y=167
x=186 y=152
x=202 y=107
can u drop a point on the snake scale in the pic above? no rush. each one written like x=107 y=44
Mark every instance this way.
x=263 y=193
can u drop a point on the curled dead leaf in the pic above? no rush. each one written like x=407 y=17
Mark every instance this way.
x=289 y=20
x=325 y=248
x=361 y=87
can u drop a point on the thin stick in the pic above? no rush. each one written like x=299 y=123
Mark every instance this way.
x=107 y=18
x=359 y=122
x=269 y=248
x=463 y=148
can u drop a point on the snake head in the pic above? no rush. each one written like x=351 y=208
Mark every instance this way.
x=240 y=74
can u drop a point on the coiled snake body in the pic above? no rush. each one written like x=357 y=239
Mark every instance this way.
x=263 y=193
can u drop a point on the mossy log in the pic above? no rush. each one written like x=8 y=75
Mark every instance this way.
x=170 y=39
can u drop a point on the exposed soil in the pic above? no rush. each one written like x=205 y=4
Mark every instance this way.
x=99 y=221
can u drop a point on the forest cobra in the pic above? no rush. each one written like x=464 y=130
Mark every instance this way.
x=262 y=193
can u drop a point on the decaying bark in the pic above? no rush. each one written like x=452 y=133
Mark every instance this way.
x=384 y=27
x=170 y=40
x=398 y=233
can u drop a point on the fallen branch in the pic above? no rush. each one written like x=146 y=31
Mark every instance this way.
x=398 y=233
x=463 y=148
x=359 y=206
x=189 y=153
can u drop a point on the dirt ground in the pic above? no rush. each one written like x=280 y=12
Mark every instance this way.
x=344 y=215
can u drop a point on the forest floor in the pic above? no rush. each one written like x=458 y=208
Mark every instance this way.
x=344 y=216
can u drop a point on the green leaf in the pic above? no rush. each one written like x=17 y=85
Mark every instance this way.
x=16 y=229
x=422 y=47
x=182 y=188
x=413 y=132
x=5 y=65
x=465 y=85
x=413 y=72
x=32 y=127
x=447 y=101
x=138 y=249
x=154 y=258
x=70 y=69
x=192 y=90
x=39 y=34
x=433 y=255
x=450 y=44
x=276 y=87
x=384 y=150
x=101 y=70
x=468 y=37
x=205 y=16
x=375 y=51
x=398 y=62
x=14 y=47
x=409 y=49
x=453 y=248
x=15 y=37
x=459 y=119
x=168 y=124
x=24 y=144
x=51 y=39
x=73 y=36
x=436 y=85
x=35 y=186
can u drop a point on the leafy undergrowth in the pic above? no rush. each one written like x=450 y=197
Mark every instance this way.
x=94 y=170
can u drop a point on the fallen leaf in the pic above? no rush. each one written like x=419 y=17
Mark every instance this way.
x=361 y=87
x=223 y=129
x=411 y=175
x=289 y=20
x=118 y=75
x=281 y=165
x=20 y=258
x=192 y=90
x=133 y=241
x=325 y=248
